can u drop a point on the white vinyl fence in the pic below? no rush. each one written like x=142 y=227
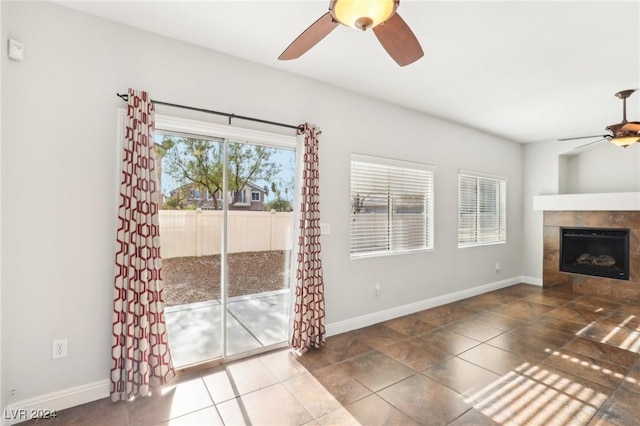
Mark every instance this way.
x=199 y=232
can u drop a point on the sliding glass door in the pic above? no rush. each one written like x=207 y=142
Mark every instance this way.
x=225 y=229
x=259 y=223
x=191 y=235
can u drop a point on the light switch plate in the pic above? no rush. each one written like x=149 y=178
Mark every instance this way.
x=325 y=228
x=16 y=50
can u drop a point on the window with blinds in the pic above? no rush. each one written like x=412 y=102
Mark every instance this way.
x=482 y=209
x=391 y=206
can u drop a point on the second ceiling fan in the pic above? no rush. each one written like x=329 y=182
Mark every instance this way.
x=621 y=134
x=381 y=15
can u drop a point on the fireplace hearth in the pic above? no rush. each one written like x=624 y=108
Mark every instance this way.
x=595 y=251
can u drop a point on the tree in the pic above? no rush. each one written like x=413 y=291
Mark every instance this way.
x=198 y=163
x=279 y=205
x=179 y=200
x=248 y=163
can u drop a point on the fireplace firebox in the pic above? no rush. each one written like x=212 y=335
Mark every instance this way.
x=595 y=251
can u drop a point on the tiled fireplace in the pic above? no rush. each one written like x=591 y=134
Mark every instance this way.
x=620 y=289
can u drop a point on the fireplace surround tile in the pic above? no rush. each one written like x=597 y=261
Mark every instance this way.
x=627 y=292
x=593 y=286
x=551 y=259
x=592 y=219
x=634 y=267
x=550 y=236
x=622 y=290
x=557 y=218
x=634 y=249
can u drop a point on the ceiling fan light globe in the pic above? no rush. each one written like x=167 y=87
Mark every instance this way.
x=625 y=141
x=362 y=14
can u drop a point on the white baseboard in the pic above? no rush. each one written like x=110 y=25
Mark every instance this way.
x=78 y=395
x=376 y=317
x=532 y=280
x=24 y=410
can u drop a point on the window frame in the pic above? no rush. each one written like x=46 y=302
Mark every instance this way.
x=428 y=209
x=500 y=203
x=255 y=193
x=242 y=197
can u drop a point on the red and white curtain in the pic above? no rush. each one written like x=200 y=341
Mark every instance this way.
x=308 y=316
x=140 y=352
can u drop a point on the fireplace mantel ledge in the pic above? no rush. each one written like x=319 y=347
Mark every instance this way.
x=613 y=201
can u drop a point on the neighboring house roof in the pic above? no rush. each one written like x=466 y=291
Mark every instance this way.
x=255 y=187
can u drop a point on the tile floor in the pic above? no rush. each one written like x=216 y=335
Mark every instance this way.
x=516 y=356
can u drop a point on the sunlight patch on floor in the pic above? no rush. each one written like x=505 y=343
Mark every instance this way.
x=537 y=396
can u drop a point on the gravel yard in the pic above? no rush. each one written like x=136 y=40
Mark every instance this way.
x=197 y=279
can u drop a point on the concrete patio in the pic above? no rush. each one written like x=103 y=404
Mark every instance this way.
x=253 y=321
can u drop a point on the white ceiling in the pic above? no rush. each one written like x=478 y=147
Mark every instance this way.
x=525 y=70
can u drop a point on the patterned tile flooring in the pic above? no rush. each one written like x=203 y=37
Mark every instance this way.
x=516 y=356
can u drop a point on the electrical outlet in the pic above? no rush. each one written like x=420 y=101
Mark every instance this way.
x=59 y=348
x=497 y=267
x=377 y=289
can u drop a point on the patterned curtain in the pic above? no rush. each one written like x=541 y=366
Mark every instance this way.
x=308 y=319
x=140 y=351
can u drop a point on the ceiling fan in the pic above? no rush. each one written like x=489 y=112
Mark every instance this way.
x=621 y=134
x=391 y=30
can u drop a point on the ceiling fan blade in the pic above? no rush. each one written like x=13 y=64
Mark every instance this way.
x=310 y=37
x=590 y=143
x=583 y=137
x=399 y=41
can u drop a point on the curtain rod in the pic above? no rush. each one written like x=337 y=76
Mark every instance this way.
x=125 y=98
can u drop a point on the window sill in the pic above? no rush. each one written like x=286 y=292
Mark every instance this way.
x=481 y=244
x=389 y=253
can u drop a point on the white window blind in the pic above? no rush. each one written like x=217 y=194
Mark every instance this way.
x=482 y=209
x=391 y=206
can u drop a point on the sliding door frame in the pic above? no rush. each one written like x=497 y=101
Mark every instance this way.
x=232 y=134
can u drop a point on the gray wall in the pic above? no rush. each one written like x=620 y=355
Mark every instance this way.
x=603 y=168
x=59 y=142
